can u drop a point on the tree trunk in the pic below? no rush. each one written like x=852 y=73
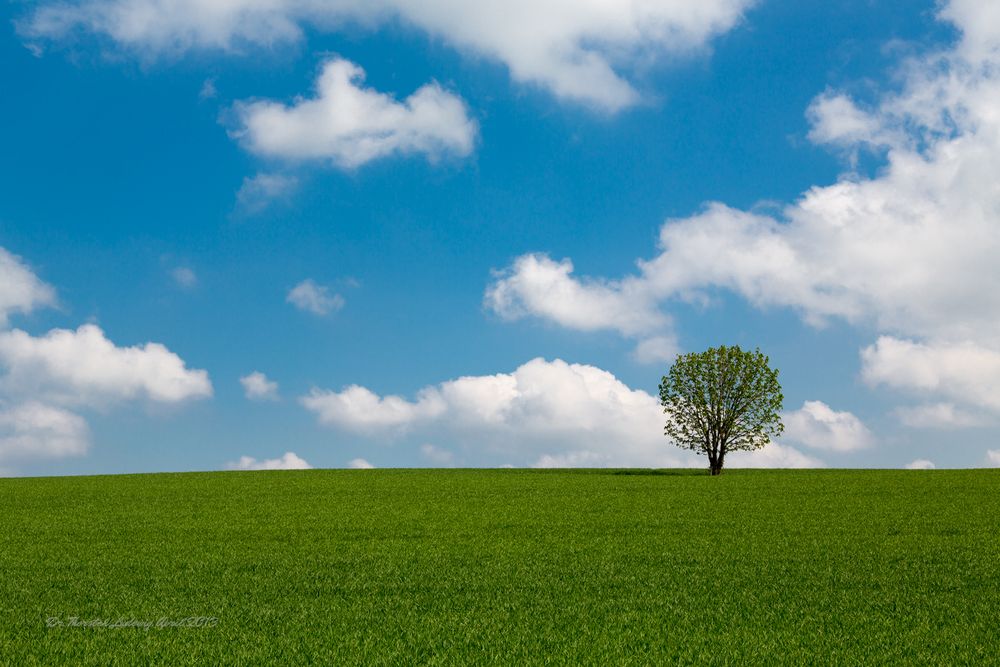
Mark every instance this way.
x=717 y=463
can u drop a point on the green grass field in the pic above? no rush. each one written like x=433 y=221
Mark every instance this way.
x=404 y=566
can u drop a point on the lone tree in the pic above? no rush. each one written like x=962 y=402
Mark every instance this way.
x=721 y=400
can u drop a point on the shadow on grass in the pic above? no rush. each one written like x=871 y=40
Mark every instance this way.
x=672 y=472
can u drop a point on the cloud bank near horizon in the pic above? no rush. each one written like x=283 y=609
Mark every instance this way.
x=543 y=414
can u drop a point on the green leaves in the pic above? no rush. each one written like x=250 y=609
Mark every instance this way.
x=721 y=400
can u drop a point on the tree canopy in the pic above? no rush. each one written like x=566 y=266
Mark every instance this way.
x=722 y=400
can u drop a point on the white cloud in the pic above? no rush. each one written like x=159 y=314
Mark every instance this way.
x=980 y=24
x=993 y=457
x=43 y=375
x=436 y=454
x=580 y=459
x=818 y=426
x=288 y=461
x=750 y=255
x=576 y=50
x=257 y=387
x=185 y=277
x=538 y=286
x=920 y=464
x=910 y=250
x=350 y=125
x=33 y=430
x=83 y=367
x=836 y=119
x=544 y=413
x=316 y=299
x=208 y=90
x=657 y=349
x=20 y=289
x=773 y=455
x=938 y=415
x=964 y=371
x=359 y=464
x=258 y=192
x=360 y=410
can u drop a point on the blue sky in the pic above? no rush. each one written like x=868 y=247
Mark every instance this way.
x=228 y=186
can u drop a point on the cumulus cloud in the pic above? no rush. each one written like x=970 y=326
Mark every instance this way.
x=359 y=409
x=749 y=253
x=920 y=464
x=539 y=286
x=33 y=430
x=964 y=371
x=580 y=459
x=260 y=191
x=818 y=426
x=657 y=349
x=578 y=51
x=545 y=413
x=288 y=461
x=836 y=119
x=980 y=25
x=773 y=455
x=993 y=457
x=208 y=90
x=257 y=387
x=184 y=277
x=83 y=367
x=349 y=125
x=436 y=455
x=359 y=464
x=909 y=250
x=938 y=415
x=313 y=298
x=21 y=291
x=41 y=376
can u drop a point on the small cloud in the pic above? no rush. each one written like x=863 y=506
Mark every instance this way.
x=289 y=461
x=257 y=387
x=436 y=454
x=350 y=281
x=937 y=415
x=817 y=425
x=314 y=298
x=36 y=430
x=347 y=124
x=920 y=464
x=184 y=276
x=208 y=90
x=656 y=349
x=773 y=455
x=262 y=190
x=22 y=291
x=359 y=464
x=993 y=458
x=579 y=459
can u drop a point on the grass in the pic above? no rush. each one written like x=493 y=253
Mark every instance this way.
x=406 y=566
